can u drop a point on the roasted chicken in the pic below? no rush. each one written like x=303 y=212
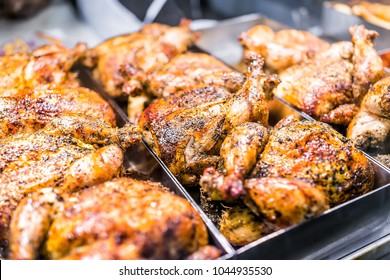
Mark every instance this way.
x=370 y=127
x=374 y=13
x=67 y=154
x=302 y=168
x=192 y=70
x=147 y=50
x=28 y=110
x=184 y=72
x=331 y=85
x=283 y=48
x=241 y=226
x=189 y=127
x=49 y=64
x=140 y=220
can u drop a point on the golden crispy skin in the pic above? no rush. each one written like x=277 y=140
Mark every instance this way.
x=337 y=76
x=147 y=50
x=315 y=152
x=241 y=226
x=368 y=66
x=140 y=220
x=239 y=152
x=184 y=72
x=27 y=110
x=69 y=153
x=370 y=127
x=189 y=127
x=285 y=202
x=48 y=64
x=193 y=70
x=303 y=169
x=281 y=49
x=321 y=84
x=278 y=202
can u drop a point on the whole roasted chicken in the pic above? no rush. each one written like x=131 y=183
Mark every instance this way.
x=67 y=154
x=49 y=64
x=140 y=220
x=283 y=48
x=331 y=85
x=188 y=127
x=294 y=172
x=147 y=50
x=30 y=109
x=371 y=126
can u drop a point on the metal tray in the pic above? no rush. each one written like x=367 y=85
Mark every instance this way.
x=144 y=162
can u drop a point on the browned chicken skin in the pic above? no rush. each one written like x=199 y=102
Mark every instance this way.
x=285 y=202
x=319 y=168
x=193 y=70
x=338 y=76
x=27 y=110
x=139 y=221
x=48 y=64
x=67 y=154
x=184 y=72
x=147 y=51
x=189 y=127
x=370 y=127
x=281 y=49
x=317 y=153
x=188 y=71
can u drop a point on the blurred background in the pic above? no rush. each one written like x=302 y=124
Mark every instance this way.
x=93 y=21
